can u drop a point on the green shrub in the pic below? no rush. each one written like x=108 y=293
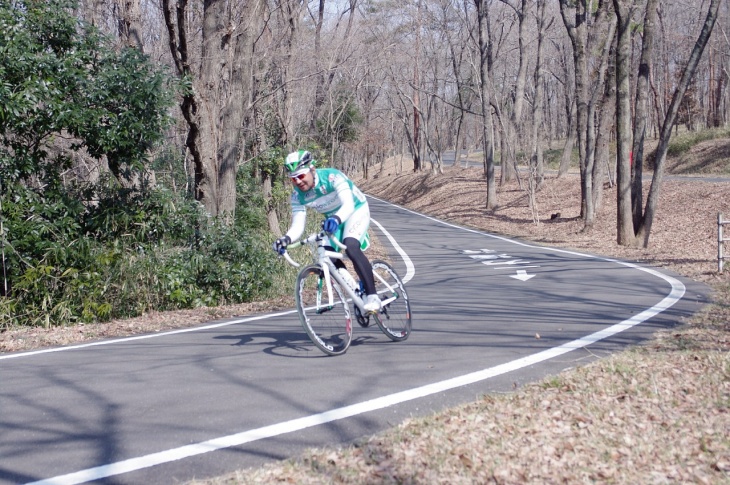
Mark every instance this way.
x=140 y=217
x=146 y=253
x=683 y=142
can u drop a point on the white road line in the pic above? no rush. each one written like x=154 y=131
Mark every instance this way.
x=410 y=269
x=143 y=337
x=238 y=439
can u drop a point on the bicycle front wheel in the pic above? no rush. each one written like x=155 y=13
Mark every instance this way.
x=394 y=318
x=326 y=320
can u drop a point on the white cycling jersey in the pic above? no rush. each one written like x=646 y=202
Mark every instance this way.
x=333 y=194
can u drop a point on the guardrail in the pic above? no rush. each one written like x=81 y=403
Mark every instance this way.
x=720 y=241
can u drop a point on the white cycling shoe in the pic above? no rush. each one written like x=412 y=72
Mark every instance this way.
x=372 y=303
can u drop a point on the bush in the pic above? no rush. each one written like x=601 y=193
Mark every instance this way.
x=683 y=142
x=224 y=267
x=128 y=256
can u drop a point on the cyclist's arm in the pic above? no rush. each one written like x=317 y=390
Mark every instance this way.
x=347 y=199
x=298 y=220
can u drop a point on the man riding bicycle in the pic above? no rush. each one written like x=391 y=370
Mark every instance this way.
x=329 y=192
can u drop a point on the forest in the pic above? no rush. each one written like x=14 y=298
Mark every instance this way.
x=142 y=141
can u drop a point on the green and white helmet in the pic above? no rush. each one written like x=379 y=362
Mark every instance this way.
x=298 y=162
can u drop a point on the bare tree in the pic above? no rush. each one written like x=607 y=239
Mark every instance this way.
x=536 y=159
x=627 y=236
x=589 y=32
x=570 y=105
x=416 y=88
x=424 y=74
x=215 y=88
x=513 y=127
x=602 y=166
x=641 y=111
x=485 y=93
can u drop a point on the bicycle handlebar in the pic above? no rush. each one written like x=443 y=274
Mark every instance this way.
x=315 y=237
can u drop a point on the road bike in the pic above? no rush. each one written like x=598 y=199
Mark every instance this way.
x=322 y=298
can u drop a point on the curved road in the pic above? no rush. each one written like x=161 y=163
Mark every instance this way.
x=489 y=313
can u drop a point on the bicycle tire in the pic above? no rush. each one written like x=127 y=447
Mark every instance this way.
x=329 y=327
x=394 y=318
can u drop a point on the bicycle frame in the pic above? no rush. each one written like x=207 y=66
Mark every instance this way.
x=332 y=332
x=324 y=259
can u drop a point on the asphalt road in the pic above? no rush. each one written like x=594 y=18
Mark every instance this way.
x=489 y=313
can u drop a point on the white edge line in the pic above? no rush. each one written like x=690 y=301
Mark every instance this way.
x=143 y=337
x=238 y=439
x=410 y=269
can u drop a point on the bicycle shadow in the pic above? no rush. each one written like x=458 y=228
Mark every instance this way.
x=285 y=344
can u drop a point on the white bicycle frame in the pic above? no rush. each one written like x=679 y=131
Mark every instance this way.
x=330 y=271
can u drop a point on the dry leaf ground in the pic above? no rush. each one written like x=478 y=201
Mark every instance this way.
x=659 y=413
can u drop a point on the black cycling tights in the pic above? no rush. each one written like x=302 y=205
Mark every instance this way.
x=362 y=265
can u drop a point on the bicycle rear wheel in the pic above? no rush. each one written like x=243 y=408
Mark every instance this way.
x=394 y=318
x=328 y=325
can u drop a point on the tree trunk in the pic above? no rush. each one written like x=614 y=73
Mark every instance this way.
x=577 y=28
x=417 y=164
x=592 y=181
x=661 y=151
x=606 y=117
x=485 y=95
x=571 y=115
x=641 y=113
x=214 y=121
x=271 y=218
x=513 y=129
x=212 y=63
x=130 y=24
x=625 y=234
x=536 y=166
x=569 y=142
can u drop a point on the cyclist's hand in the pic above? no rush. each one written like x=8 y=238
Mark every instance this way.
x=281 y=244
x=331 y=224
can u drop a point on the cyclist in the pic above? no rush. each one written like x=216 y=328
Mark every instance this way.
x=347 y=215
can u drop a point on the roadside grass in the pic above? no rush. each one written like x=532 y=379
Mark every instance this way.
x=684 y=141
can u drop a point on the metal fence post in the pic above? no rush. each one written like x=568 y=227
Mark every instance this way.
x=720 y=241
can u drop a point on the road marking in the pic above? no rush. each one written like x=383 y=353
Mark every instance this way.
x=510 y=262
x=497 y=268
x=485 y=257
x=143 y=337
x=522 y=275
x=410 y=268
x=479 y=257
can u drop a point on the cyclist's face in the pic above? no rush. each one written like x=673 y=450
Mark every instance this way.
x=304 y=181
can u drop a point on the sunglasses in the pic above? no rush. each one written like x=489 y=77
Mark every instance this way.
x=298 y=177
